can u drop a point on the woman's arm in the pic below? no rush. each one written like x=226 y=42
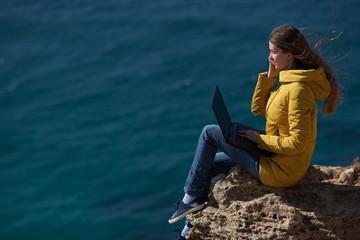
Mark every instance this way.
x=300 y=110
x=262 y=93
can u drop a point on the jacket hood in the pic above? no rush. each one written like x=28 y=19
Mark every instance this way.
x=316 y=78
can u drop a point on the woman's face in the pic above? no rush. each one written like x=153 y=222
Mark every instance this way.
x=279 y=58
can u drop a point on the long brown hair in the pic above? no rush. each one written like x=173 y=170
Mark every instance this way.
x=290 y=39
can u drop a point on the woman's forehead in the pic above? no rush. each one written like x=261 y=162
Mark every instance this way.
x=273 y=46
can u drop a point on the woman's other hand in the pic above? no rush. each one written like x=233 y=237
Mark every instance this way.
x=249 y=134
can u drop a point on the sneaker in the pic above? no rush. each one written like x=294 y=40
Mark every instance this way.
x=183 y=209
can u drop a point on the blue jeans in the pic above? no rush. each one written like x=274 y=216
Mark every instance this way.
x=207 y=162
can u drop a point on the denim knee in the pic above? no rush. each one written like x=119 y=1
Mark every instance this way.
x=209 y=131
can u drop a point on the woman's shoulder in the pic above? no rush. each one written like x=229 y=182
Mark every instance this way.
x=296 y=87
x=298 y=90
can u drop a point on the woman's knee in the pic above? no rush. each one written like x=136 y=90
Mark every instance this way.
x=209 y=131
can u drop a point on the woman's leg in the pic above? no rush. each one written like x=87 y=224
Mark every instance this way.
x=203 y=160
x=203 y=167
x=211 y=139
x=198 y=175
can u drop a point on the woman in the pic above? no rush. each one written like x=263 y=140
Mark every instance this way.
x=291 y=115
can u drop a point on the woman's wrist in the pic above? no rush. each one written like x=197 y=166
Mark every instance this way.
x=273 y=77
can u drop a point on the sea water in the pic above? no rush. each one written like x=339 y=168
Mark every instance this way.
x=102 y=103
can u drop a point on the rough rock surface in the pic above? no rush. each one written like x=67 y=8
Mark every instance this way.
x=324 y=205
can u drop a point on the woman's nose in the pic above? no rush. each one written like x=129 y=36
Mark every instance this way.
x=270 y=57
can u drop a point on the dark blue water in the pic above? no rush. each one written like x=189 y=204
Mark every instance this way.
x=102 y=102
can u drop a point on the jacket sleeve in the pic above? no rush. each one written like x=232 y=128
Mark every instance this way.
x=301 y=104
x=261 y=94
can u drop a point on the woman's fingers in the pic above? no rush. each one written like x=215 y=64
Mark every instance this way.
x=249 y=134
x=246 y=132
x=272 y=73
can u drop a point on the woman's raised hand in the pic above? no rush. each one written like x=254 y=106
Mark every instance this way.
x=272 y=73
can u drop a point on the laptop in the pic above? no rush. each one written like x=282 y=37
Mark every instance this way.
x=230 y=129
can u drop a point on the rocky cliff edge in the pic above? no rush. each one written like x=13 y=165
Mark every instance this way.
x=324 y=205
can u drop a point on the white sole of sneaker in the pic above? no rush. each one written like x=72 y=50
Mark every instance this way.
x=171 y=221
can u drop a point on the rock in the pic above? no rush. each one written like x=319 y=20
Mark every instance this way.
x=324 y=205
x=347 y=177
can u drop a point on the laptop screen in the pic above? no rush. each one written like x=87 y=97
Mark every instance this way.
x=221 y=112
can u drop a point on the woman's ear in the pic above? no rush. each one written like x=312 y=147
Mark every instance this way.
x=290 y=57
x=291 y=61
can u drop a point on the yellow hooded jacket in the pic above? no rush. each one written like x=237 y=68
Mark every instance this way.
x=290 y=112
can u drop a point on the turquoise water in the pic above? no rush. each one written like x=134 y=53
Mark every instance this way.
x=102 y=102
